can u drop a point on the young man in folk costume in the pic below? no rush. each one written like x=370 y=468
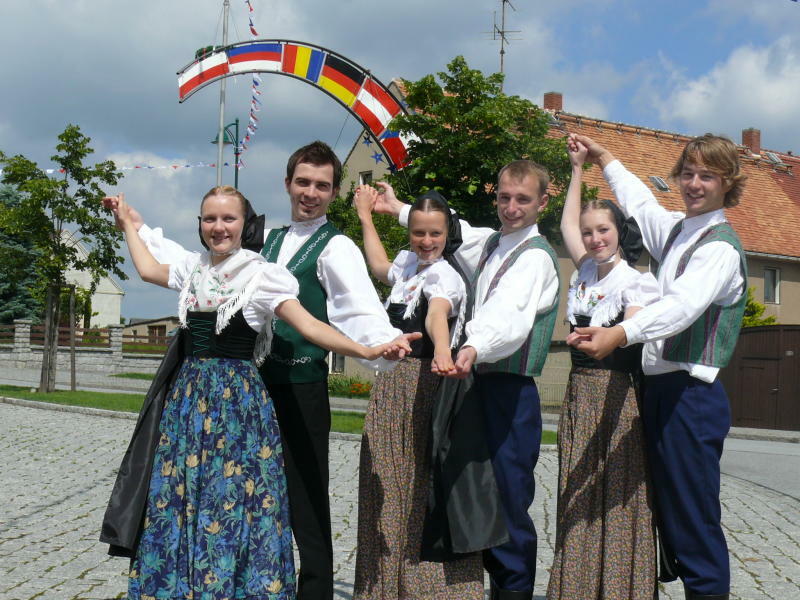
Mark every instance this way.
x=515 y=278
x=336 y=289
x=689 y=334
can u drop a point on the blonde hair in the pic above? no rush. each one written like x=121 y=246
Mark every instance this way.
x=225 y=190
x=519 y=169
x=719 y=155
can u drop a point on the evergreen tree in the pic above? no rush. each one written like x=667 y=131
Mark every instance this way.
x=753 y=311
x=17 y=280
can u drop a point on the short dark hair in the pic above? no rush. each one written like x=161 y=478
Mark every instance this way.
x=319 y=154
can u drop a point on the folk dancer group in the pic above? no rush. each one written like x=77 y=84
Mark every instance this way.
x=229 y=459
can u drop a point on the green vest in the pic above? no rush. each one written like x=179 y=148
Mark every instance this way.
x=711 y=339
x=293 y=359
x=529 y=358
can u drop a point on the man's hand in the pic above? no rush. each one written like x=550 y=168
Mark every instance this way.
x=464 y=361
x=386 y=202
x=364 y=200
x=112 y=203
x=577 y=151
x=597 y=154
x=598 y=342
x=400 y=346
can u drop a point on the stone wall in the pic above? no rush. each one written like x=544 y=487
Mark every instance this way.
x=112 y=360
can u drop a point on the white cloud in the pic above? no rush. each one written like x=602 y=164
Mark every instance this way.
x=755 y=87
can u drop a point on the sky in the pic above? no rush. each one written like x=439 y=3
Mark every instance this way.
x=688 y=66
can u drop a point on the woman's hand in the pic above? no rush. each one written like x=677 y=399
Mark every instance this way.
x=442 y=363
x=577 y=151
x=364 y=200
x=123 y=212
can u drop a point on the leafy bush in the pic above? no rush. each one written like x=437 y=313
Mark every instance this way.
x=343 y=386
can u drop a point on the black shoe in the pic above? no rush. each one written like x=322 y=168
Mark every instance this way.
x=691 y=596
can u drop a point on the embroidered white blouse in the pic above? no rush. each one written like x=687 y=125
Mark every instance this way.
x=439 y=280
x=603 y=299
x=352 y=303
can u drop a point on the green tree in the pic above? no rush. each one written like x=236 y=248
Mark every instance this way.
x=70 y=199
x=468 y=129
x=753 y=311
x=17 y=281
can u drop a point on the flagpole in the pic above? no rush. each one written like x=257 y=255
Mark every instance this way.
x=221 y=133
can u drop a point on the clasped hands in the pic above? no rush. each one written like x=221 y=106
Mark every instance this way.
x=597 y=342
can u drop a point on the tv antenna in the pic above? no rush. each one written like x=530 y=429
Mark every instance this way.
x=499 y=32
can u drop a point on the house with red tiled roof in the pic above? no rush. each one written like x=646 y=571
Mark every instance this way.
x=767 y=218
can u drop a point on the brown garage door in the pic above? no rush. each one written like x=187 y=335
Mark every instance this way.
x=763 y=378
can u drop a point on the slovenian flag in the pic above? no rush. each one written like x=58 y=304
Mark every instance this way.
x=375 y=106
x=302 y=61
x=255 y=57
x=201 y=72
x=341 y=79
x=396 y=146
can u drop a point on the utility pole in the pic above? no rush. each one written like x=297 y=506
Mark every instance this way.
x=499 y=33
x=226 y=6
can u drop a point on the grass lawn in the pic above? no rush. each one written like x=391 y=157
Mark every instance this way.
x=145 y=376
x=344 y=422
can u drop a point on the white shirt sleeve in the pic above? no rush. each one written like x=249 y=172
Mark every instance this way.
x=637 y=201
x=443 y=282
x=712 y=276
x=399 y=265
x=503 y=322
x=353 y=304
x=181 y=269
x=275 y=285
x=163 y=249
x=643 y=291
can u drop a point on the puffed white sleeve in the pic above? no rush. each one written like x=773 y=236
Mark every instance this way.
x=643 y=290
x=399 y=265
x=274 y=285
x=181 y=269
x=443 y=282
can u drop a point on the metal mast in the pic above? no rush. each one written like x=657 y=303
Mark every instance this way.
x=226 y=5
x=501 y=31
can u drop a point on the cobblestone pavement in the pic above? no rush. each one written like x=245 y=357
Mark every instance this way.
x=58 y=469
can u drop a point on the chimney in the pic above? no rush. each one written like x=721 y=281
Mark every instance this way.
x=553 y=101
x=752 y=139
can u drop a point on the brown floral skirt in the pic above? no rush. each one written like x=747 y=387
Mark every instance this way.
x=393 y=493
x=605 y=534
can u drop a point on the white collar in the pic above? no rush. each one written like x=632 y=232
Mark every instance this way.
x=509 y=240
x=312 y=225
x=692 y=224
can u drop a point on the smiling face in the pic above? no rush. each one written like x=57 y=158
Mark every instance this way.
x=221 y=223
x=519 y=202
x=427 y=234
x=599 y=234
x=310 y=191
x=702 y=190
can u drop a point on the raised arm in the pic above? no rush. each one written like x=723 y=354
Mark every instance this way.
x=571 y=215
x=379 y=264
x=149 y=269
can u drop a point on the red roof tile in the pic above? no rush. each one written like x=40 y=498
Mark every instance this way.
x=768 y=217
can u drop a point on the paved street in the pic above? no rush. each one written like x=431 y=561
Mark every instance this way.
x=58 y=468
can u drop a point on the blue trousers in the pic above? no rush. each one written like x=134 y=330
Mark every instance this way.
x=513 y=422
x=685 y=423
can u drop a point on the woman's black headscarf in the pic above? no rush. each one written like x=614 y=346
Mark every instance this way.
x=630 y=236
x=454 y=239
x=252 y=232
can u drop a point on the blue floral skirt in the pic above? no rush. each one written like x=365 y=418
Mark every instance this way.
x=217 y=521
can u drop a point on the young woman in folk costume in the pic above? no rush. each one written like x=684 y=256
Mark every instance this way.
x=427 y=295
x=605 y=537
x=216 y=523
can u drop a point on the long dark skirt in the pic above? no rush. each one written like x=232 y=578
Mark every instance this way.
x=393 y=492
x=217 y=520
x=605 y=536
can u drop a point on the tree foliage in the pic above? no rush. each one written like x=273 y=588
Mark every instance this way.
x=17 y=281
x=468 y=129
x=49 y=205
x=753 y=311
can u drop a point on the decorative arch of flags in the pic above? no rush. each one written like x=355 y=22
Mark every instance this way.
x=352 y=86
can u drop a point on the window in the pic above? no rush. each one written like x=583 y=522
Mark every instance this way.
x=659 y=183
x=365 y=177
x=336 y=363
x=156 y=333
x=772 y=285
